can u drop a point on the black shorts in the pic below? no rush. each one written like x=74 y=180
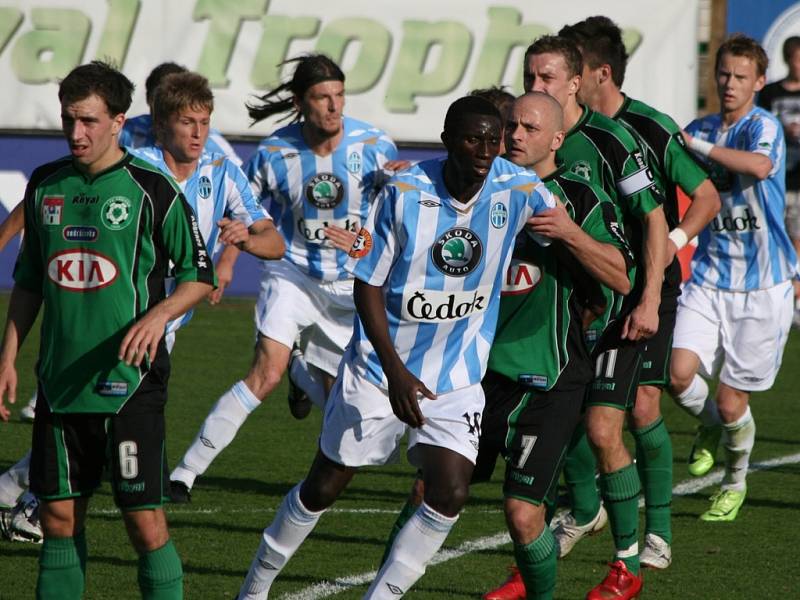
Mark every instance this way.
x=617 y=371
x=658 y=349
x=531 y=429
x=71 y=450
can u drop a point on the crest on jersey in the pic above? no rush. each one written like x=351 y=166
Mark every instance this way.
x=324 y=190
x=52 y=206
x=457 y=252
x=362 y=245
x=116 y=213
x=581 y=168
x=354 y=163
x=498 y=215
x=204 y=187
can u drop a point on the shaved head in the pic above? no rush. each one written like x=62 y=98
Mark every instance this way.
x=534 y=131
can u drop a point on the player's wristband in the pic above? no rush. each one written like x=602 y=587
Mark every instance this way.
x=702 y=147
x=679 y=237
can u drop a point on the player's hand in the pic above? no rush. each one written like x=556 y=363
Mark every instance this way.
x=405 y=390
x=554 y=223
x=224 y=273
x=8 y=387
x=233 y=232
x=641 y=323
x=142 y=338
x=396 y=165
x=339 y=237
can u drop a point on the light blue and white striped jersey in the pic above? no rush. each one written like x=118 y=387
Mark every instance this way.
x=745 y=247
x=217 y=188
x=441 y=265
x=305 y=193
x=137 y=132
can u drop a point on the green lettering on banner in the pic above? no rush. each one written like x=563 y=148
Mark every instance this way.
x=374 y=42
x=10 y=19
x=226 y=21
x=53 y=47
x=117 y=33
x=278 y=33
x=632 y=39
x=411 y=78
x=505 y=33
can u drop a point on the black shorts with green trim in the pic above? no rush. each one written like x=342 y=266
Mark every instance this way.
x=658 y=349
x=71 y=451
x=531 y=429
x=617 y=372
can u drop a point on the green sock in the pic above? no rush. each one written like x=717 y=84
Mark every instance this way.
x=537 y=565
x=406 y=513
x=621 y=491
x=62 y=568
x=579 y=475
x=654 y=463
x=161 y=574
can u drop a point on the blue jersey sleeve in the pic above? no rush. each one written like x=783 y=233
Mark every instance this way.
x=376 y=248
x=765 y=136
x=240 y=203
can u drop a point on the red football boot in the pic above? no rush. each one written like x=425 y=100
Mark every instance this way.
x=619 y=584
x=512 y=589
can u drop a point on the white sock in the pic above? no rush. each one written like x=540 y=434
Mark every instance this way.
x=414 y=547
x=696 y=401
x=738 y=439
x=32 y=401
x=15 y=481
x=217 y=432
x=280 y=541
x=308 y=378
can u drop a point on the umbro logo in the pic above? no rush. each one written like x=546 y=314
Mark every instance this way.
x=207 y=443
x=394 y=589
x=268 y=565
x=429 y=203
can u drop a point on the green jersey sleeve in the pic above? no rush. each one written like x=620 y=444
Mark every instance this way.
x=184 y=245
x=681 y=168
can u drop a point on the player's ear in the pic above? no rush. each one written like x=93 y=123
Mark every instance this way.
x=117 y=122
x=761 y=80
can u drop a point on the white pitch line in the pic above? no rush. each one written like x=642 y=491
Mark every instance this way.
x=325 y=589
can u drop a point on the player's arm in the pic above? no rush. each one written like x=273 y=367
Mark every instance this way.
x=602 y=261
x=743 y=162
x=224 y=270
x=404 y=388
x=22 y=310
x=642 y=322
x=261 y=239
x=13 y=224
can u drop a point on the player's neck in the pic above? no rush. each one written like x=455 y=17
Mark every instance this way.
x=460 y=189
x=546 y=167
x=609 y=102
x=112 y=157
x=181 y=170
x=731 y=117
x=320 y=142
x=572 y=113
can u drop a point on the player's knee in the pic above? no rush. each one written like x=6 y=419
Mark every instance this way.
x=147 y=530
x=447 y=497
x=525 y=521
x=603 y=436
x=647 y=408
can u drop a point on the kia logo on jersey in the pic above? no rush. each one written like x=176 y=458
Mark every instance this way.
x=521 y=278
x=81 y=270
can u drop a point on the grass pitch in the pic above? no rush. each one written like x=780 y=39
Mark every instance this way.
x=217 y=534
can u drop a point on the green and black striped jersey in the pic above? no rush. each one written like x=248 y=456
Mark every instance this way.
x=97 y=249
x=671 y=163
x=548 y=298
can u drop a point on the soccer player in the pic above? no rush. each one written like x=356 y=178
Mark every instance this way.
x=540 y=365
x=603 y=151
x=215 y=187
x=604 y=62
x=317 y=178
x=101 y=228
x=782 y=98
x=139 y=132
x=736 y=310
x=429 y=265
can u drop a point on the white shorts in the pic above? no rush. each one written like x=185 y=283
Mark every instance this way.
x=360 y=428
x=290 y=302
x=740 y=335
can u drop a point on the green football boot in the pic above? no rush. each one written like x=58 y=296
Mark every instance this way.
x=725 y=505
x=704 y=450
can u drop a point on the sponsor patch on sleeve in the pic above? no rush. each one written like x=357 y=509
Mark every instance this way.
x=362 y=245
x=636 y=182
x=112 y=388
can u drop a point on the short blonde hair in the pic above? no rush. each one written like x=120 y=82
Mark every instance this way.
x=741 y=45
x=179 y=91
